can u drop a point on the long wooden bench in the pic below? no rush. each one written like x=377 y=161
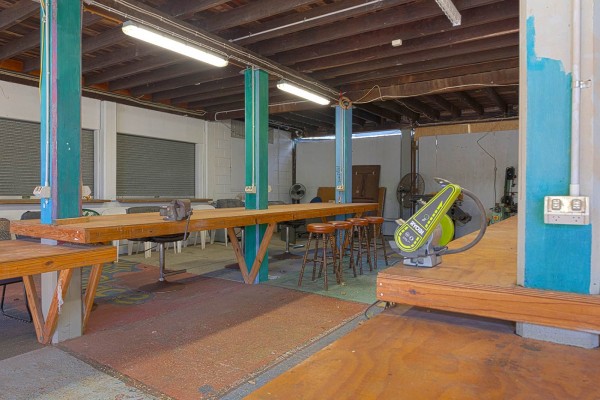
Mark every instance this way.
x=24 y=259
x=483 y=281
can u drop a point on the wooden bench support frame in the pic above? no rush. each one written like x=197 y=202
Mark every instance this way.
x=26 y=259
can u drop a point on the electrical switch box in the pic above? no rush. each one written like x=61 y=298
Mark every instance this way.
x=567 y=210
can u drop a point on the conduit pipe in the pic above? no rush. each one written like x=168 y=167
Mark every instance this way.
x=576 y=98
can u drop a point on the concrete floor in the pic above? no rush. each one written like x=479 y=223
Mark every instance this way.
x=31 y=371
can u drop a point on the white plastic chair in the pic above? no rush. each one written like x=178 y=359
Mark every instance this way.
x=202 y=234
x=115 y=211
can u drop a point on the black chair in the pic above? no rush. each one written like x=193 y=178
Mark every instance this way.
x=29 y=215
x=162 y=285
x=137 y=241
x=5 y=235
x=228 y=203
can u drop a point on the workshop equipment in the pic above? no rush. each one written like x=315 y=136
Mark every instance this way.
x=418 y=239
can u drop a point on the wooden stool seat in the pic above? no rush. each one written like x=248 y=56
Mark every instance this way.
x=341 y=224
x=358 y=221
x=319 y=227
x=375 y=220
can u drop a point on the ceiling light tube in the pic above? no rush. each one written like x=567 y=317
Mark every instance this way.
x=160 y=39
x=298 y=91
x=450 y=10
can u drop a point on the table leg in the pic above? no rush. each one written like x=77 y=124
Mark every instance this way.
x=238 y=253
x=90 y=292
x=35 y=307
x=249 y=277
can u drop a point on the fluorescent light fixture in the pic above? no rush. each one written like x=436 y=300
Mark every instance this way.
x=160 y=39
x=359 y=135
x=298 y=91
x=450 y=10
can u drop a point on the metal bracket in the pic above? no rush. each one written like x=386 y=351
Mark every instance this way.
x=582 y=84
x=250 y=189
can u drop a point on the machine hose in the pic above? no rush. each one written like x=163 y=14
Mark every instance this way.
x=482 y=225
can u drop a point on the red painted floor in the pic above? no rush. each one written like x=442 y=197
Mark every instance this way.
x=207 y=338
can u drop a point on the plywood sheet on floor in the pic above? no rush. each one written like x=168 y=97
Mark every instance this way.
x=208 y=337
x=400 y=357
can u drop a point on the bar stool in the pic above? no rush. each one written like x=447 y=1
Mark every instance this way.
x=376 y=224
x=360 y=227
x=344 y=227
x=323 y=232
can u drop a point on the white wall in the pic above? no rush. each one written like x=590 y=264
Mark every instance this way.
x=219 y=158
x=315 y=167
x=459 y=159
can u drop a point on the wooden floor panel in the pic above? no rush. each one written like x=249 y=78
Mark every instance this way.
x=399 y=357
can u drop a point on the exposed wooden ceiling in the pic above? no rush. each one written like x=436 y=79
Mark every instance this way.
x=439 y=73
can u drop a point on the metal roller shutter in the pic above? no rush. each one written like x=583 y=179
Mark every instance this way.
x=20 y=157
x=155 y=167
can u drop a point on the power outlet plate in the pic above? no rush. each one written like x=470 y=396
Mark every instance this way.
x=567 y=210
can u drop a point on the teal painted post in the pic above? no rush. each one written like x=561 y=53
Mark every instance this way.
x=557 y=257
x=60 y=141
x=61 y=109
x=343 y=155
x=257 y=166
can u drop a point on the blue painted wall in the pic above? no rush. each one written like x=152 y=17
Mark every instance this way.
x=557 y=257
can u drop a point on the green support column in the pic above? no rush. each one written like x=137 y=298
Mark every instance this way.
x=257 y=165
x=61 y=108
x=60 y=141
x=343 y=155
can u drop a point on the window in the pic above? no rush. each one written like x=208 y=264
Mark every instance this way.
x=155 y=167
x=20 y=157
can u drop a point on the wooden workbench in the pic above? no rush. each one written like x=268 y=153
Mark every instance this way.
x=483 y=281
x=104 y=228
x=24 y=259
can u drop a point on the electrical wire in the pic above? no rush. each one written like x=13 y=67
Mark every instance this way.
x=381 y=97
x=493 y=158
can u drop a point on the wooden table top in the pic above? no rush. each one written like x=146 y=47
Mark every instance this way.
x=105 y=228
x=492 y=261
x=21 y=258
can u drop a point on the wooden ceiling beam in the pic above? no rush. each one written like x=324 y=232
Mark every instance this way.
x=400 y=15
x=187 y=80
x=320 y=117
x=134 y=68
x=387 y=113
x=365 y=115
x=449 y=62
x=18 y=12
x=470 y=102
x=399 y=108
x=186 y=8
x=285 y=120
x=307 y=118
x=117 y=57
x=419 y=45
x=170 y=72
x=444 y=104
x=478 y=16
x=250 y=12
x=31 y=40
x=200 y=91
x=496 y=98
x=421 y=107
x=426 y=76
x=311 y=18
x=424 y=58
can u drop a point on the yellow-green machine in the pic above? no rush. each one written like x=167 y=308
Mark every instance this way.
x=422 y=239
